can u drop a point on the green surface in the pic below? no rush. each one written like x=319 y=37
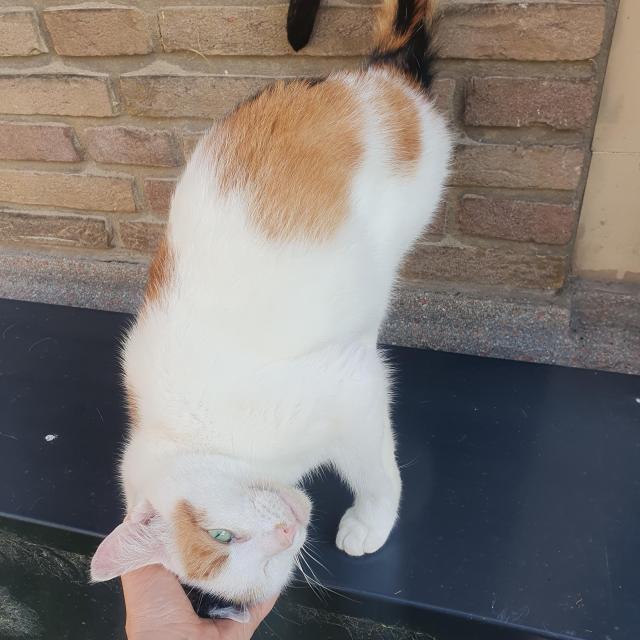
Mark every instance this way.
x=45 y=593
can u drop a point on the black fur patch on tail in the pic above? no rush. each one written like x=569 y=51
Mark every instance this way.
x=416 y=57
x=300 y=20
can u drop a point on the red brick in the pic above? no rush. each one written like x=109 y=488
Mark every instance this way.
x=439 y=222
x=133 y=145
x=189 y=141
x=49 y=142
x=52 y=229
x=98 y=30
x=70 y=190
x=260 y=30
x=140 y=235
x=19 y=33
x=157 y=94
x=158 y=192
x=55 y=93
x=522 y=31
x=509 y=166
x=512 y=219
x=519 y=102
x=443 y=94
x=481 y=265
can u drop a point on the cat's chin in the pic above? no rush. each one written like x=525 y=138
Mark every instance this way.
x=205 y=598
x=269 y=581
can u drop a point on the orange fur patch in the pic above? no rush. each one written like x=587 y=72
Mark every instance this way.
x=401 y=121
x=386 y=37
x=293 y=150
x=201 y=555
x=159 y=271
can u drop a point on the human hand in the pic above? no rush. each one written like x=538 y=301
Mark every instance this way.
x=158 y=609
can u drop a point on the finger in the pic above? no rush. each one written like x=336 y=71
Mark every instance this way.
x=152 y=595
x=153 y=580
x=260 y=611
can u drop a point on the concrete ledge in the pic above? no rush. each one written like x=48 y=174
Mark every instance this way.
x=478 y=322
x=590 y=325
x=68 y=279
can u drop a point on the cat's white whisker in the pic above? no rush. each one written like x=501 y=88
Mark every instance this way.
x=309 y=581
x=322 y=588
x=315 y=559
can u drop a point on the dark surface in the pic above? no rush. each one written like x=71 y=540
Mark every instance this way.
x=45 y=595
x=522 y=481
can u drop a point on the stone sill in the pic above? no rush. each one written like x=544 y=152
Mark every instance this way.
x=589 y=325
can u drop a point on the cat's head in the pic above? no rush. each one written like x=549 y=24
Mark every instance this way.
x=216 y=528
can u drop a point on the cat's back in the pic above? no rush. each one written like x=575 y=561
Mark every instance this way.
x=285 y=236
x=295 y=210
x=299 y=154
x=291 y=152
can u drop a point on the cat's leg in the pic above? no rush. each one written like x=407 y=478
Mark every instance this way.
x=367 y=462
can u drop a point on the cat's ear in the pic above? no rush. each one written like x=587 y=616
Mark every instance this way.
x=300 y=20
x=140 y=540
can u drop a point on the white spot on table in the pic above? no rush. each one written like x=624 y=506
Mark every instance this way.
x=50 y=437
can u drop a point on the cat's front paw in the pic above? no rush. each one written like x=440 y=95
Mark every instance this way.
x=357 y=536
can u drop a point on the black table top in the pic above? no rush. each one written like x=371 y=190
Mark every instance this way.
x=521 y=481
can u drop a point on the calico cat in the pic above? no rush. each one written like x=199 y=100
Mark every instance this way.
x=253 y=359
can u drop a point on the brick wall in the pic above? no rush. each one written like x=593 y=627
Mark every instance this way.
x=101 y=104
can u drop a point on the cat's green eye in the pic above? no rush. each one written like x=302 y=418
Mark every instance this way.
x=221 y=535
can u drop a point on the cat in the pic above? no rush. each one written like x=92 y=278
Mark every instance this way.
x=253 y=359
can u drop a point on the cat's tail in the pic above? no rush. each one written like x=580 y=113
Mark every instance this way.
x=300 y=21
x=404 y=38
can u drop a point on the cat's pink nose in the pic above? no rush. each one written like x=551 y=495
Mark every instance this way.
x=286 y=534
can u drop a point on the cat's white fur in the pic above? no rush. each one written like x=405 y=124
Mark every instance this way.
x=258 y=362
